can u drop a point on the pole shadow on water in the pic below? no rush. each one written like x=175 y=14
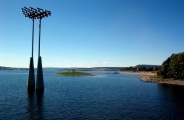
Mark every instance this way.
x=31 y=103
x=39 y=104
x=35 y=104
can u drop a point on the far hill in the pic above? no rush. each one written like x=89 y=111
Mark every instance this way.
x=11 y=68
x=144 y=65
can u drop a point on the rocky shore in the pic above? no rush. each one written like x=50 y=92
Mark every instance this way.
x=152 y=77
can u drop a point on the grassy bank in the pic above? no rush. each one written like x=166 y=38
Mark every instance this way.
x=75 y=73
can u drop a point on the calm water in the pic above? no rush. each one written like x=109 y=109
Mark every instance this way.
x=101 y=97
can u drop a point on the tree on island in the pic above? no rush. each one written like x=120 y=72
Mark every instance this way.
x=173 y=67
x=72 y=72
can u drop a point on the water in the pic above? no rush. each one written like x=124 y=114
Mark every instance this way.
x=107 y=96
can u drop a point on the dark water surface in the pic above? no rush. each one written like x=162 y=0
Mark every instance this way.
x=101 y=97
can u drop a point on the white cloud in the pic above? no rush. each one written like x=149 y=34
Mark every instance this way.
x=105 y=62
x=94 y=62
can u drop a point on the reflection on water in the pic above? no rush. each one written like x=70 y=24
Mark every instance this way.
x=173 y=98
x=35 y=104
x=174 y=90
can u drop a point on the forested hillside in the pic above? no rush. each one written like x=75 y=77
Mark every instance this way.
x=173 y=67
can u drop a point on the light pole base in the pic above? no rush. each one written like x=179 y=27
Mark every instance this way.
x=39 y=78
x=31 y=76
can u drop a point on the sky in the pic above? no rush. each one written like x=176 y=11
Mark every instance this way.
x=92 y=33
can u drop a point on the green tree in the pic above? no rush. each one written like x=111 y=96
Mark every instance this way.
x=173 y=67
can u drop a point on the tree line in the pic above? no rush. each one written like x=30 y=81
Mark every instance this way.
x=141 y=68
x=173 y=67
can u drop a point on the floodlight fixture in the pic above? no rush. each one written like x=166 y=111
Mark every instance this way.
x=33 y=9
x=31 y=12
x=39 y=9
x=24 y=11
x=27 y=9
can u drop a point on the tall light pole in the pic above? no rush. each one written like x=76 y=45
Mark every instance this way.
x=35 y=14
x=30 y=13
x=39 y=78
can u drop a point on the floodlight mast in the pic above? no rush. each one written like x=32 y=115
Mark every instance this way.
x=32 y=36
x=39 y=79
x=39 y=37
x=31 y=77
x=31 y=14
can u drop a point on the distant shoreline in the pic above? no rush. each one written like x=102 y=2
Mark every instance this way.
x=151 y=77
x=77 y=75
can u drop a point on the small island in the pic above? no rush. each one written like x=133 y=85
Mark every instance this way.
x=74 y=73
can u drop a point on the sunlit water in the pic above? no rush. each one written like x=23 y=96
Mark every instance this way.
x=107 y=96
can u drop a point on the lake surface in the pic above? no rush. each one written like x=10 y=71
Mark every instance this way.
x=107 y=96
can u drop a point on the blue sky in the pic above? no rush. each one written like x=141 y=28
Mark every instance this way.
x=93 y=33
